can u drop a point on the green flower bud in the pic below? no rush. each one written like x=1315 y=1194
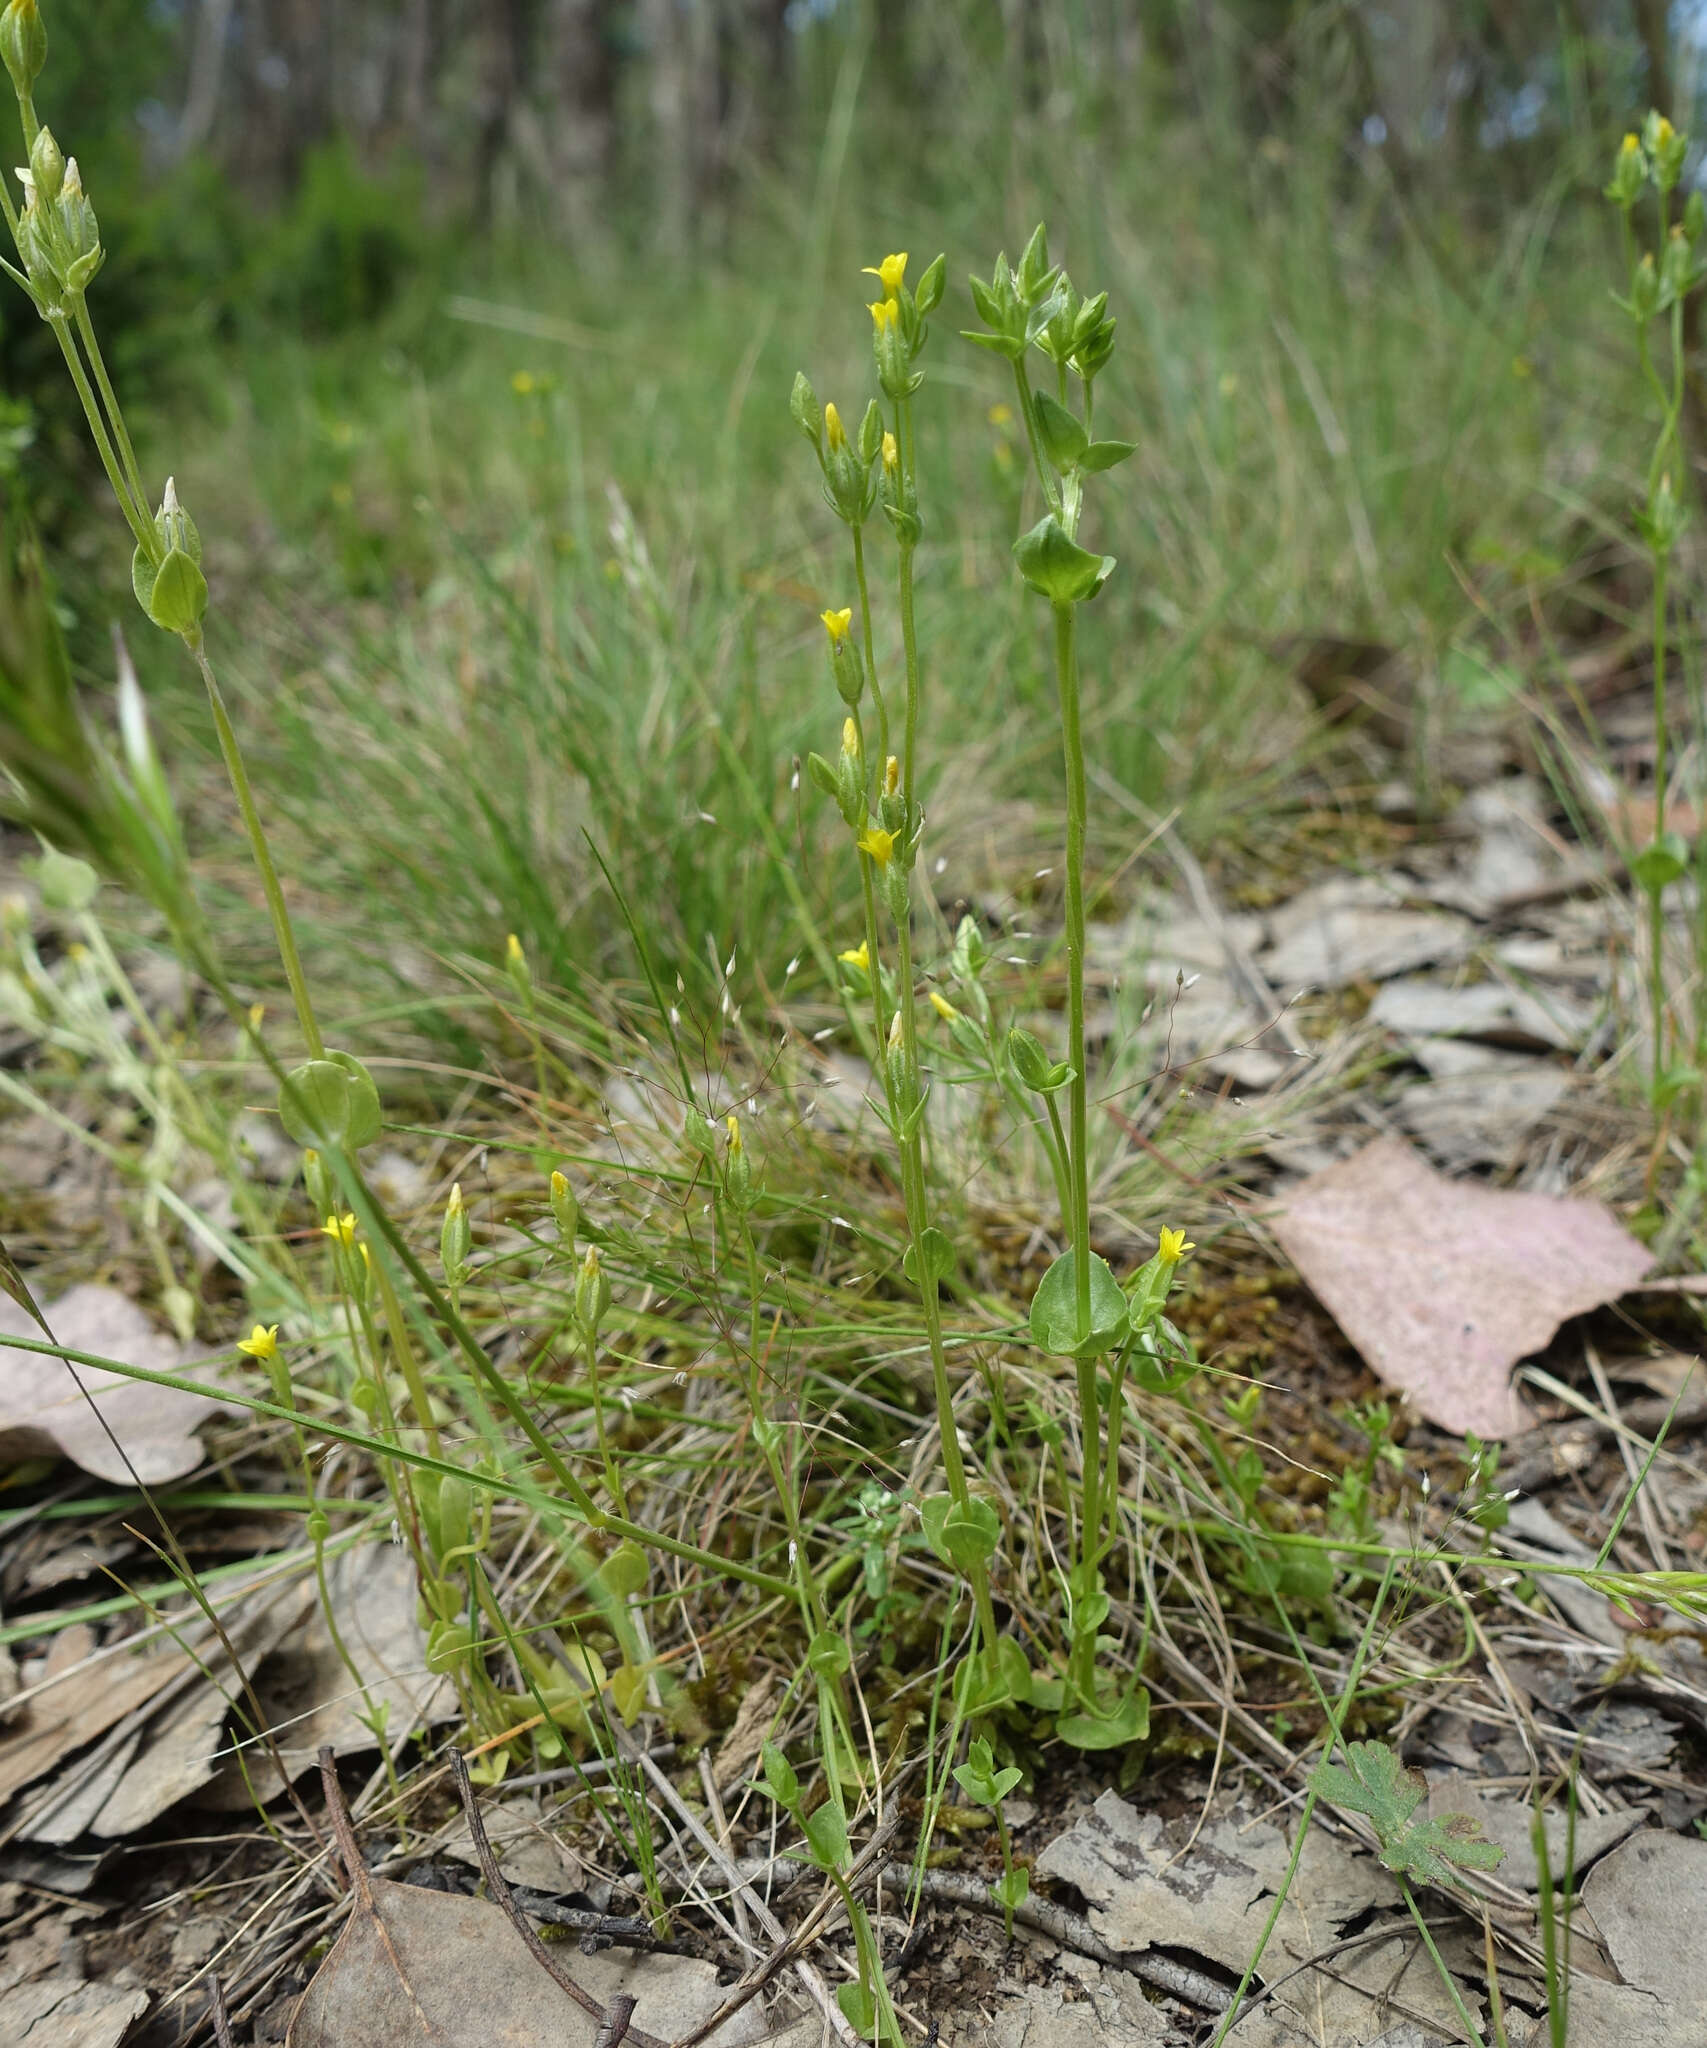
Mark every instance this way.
x=566 y=1212
x=455 y=1239
x=803 y=404
x=318 y=1183
x=1676 y=267
x=23 y=44
x=592 y=1292
x=47 y=166
x=319 y=1525
x=1629 y=173
x=1644 y=298
x=1666 y=150
x=737 y=1169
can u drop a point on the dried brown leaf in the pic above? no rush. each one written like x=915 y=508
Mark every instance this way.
x=43 y=1412
x=1444 y=1285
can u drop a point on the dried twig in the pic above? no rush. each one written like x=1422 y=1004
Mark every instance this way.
x=614 y=2027
x=218 y=2015
x=505 y=1901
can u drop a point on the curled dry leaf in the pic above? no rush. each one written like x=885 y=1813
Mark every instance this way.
x=1444 y=1285
x=43 y=1413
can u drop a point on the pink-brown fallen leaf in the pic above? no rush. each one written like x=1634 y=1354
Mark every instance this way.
x=43 y=1411
x=1443 y=1285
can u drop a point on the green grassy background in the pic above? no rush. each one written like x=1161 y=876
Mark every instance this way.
x=471 y=626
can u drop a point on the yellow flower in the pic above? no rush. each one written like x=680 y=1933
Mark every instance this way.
x=262 y=1342
x=885 y=313
x=341 y=1229
x=1173 y=1246
x=891 y=454
x=1663 y=132
x=891 y=271
x=878 y=843
x=836 y=624
x=521 y=382
x=1001 y=415
x=734 y=1123
x=859 y=956
x=943 y=1007
x=850 y=737
x=834 y=432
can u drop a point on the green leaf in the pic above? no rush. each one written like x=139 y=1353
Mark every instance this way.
x=780 y=1781
x=929 y=294
x=1102 y=455
x=1009 y=345
x=938 y=1249
x=981 y=1684
x=1056 y=566
x=827 y=1654
x=826 y=1831
x=331 y=1101
x=1010 y=1892
x=177 y=599
x=625 y=1571
x=1064 y=439
x=1055 y=1325
x=967 y=1536
x=1123 y=1721
x=1379 y=1785
x=859 y=2008
x=1660 y=863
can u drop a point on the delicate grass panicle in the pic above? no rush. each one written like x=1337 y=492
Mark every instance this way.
x=698 y=1294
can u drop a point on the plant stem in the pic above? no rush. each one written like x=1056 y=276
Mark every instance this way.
x=259 y=850
x=1472 y=2033
x=1078 y=1165
x=1656 y=890
x=873 y=684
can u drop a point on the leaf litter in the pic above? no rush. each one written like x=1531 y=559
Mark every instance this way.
x=1445 y=1285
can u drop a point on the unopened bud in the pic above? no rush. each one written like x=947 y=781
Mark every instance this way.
x=455 y=1239
x=565 y=1210
x=47 y=166
x=592 y=1292
x=23 y=44
x=834 y=431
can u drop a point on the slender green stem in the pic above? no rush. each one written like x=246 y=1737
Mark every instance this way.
x=1656 y=889
x=109 y=397
x=1078 y=1164
x=1028 y=413
x=261 y=854
x=135 y=512
x=1472 y=2033
x=872 y=683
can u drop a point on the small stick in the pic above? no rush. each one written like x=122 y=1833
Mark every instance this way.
x=218 y=2014
x=615 y=2026
x=504 y=1899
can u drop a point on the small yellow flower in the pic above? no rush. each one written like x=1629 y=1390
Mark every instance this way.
x=261 y=1343
x=859 y=956
x=943 y=1007
x=878 y=843
x=890 y=272
x=734 y=1123
x=891 y=454
x=891 y=776
x=1173 y=1246
x=834 y=432
x=1663 y=132
x=1630 y=146
x=850 y=737
x=885 y=314
x=837 y=624
x=1000 y=415
x=257 y=1011
x=522 y=382
x=341 y=1229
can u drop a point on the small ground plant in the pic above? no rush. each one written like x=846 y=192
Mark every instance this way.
x=975 y=1491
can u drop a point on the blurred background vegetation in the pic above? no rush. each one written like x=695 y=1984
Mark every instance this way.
x=468 y=327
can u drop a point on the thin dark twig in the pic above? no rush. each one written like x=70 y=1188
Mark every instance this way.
x=218 y=2014
x=615 y=2025
x=504 y=1899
